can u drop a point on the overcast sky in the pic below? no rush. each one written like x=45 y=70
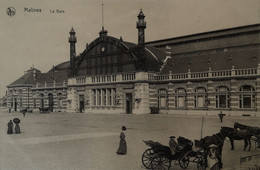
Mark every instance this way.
x=40 y=39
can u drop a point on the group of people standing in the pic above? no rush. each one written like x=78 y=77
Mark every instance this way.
x=10 y=125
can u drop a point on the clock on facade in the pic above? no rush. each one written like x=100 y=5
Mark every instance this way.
x=103 y=49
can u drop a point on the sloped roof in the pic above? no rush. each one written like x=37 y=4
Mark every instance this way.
x=58 y=74
x=61 y=66
x=206 y=35
x=216 y=60
x=26 y=79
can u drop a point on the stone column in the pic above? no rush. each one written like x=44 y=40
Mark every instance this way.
x=171 y=97
x=234 y=98
x=141 y=98
x=211 y=97
x=190 y=97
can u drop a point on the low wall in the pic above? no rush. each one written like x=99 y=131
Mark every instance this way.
x=211 y=113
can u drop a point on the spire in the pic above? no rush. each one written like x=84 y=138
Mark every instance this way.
x=141 y=25
x=72 y=37
x=103 y=32
x=72 y=41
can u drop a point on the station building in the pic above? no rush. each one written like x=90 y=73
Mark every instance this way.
x=202 y=74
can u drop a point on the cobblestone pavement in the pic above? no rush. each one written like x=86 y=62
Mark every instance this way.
x=76 y=141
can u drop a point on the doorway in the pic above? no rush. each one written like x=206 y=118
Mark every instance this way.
x=15 y=104
x=51 y=103
x=129 y=103
x=81 y=103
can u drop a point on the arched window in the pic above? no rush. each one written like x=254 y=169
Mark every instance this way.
x=222 y=98
x=180 y=98
x=162 y=98
x=200 y=98
x=246 y=97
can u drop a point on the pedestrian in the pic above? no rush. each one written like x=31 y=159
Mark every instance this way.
x=17 y=128
x=10 y=127
x=212 y=157
x=122 y=149
x=24 y=111
x=173 y=145
x=221 y=115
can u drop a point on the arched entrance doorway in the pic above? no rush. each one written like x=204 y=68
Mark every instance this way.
x=81 y=103
x=129 y=103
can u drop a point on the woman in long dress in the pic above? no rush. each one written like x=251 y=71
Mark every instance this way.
x=122 y=144
x=10 y=127
x=17 y=128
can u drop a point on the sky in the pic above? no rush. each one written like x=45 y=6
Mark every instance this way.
x=40 y=39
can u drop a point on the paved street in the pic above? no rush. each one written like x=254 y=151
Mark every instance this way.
x=75 y=141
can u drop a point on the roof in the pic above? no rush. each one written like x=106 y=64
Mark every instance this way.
x=222 y=59
x=61 y=66
x=154 y=56
x=206 y=35
x=58 y=74
x=26 y=79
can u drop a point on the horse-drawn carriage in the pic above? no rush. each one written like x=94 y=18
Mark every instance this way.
x=44 y=110
x=159 y=156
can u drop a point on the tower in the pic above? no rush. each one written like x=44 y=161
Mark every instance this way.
x=72 y=41
x=141 y=25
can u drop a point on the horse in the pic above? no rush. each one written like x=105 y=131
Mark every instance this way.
x=237 y=134
x=251 y=129
x=217 y=139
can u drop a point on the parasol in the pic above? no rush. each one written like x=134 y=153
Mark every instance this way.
x=16 y=120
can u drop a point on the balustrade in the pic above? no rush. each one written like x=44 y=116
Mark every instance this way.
x=181 y=76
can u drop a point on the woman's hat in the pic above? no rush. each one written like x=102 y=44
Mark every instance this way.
x=213 y=146
x=172 y=137
x=123 y=128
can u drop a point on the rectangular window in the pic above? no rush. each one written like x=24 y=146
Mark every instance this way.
x=247 y=101
x=21 y=102
x=200 y=102
x=217 y=102
x=104 y=97
x=181 y=101
x=99 y=97
x=162 y=102
x=222 y=101
x=34 y=103
x=94 y=97
x=109 y=97
x=114 y=97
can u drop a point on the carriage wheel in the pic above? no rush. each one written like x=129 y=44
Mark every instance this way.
x=161 y=162
x=184 y=162
x=147 y=158
x=202 y=164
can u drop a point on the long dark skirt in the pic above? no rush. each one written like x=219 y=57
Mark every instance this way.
x=17 y=128
x=122 y=147
x=10 y=130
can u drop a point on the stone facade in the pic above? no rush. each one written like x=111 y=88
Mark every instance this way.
x=197 y=74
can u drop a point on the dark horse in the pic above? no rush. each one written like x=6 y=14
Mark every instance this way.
x=217 y=139
x=237 y=134
x=251 y=129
